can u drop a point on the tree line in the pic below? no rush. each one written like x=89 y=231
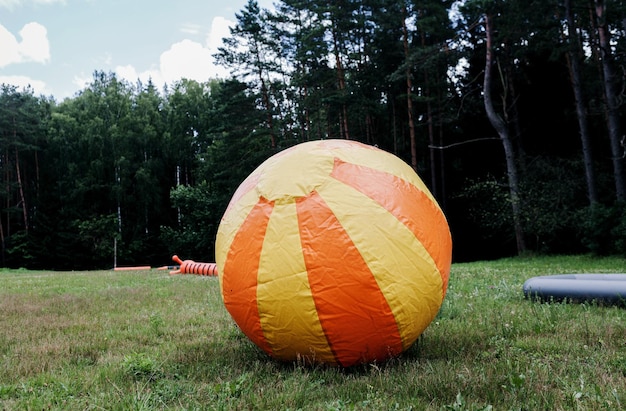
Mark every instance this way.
x=510 y=110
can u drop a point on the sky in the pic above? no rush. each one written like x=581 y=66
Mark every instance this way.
x=56 y=45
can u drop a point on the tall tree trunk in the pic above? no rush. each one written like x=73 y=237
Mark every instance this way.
x=512 y=118
x=369 y=128
x=18 y=177
x=268 y=108
x=393 y=122
x=612 y=95
x=118 y=182
x=573 y=59
x=306 y=126
x=503 y=132
x=431 y=143
x=409 y=88
x=341 y=84
x=442 y=170
x=7 y=184
x=20 y=188
x=430 y=124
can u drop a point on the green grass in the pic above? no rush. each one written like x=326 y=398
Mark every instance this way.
x=114 y=340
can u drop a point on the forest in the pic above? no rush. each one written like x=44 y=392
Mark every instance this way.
x=511 y=111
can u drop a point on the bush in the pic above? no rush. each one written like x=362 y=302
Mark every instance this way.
x=603 y=229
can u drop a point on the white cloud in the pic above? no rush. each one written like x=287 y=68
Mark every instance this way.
x=130 y=74
x=21 y=82
x=184 y=59
x=220 y=28
x=34 y=46
x=9 y=46
x=81 y=81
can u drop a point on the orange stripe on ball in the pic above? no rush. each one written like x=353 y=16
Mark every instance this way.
x=240 y=273
x=352 y=309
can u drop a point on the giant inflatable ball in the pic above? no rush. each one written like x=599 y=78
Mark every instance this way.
x=333 y=252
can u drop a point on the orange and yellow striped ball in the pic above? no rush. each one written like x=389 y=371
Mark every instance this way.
x=333 y=252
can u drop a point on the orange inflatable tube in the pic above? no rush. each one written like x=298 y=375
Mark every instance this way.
x=192 y=267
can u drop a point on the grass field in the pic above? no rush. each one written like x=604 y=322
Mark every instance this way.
x=143 y=340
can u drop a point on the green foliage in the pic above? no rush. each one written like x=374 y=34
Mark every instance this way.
x=19 y=250
x=487 y=205
x=194 y=236
x=460 y=405
x=557 y=217
x=603 y=229
x=553 y=198
x=98 y=234
x=140 y=366
x=233 y=389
